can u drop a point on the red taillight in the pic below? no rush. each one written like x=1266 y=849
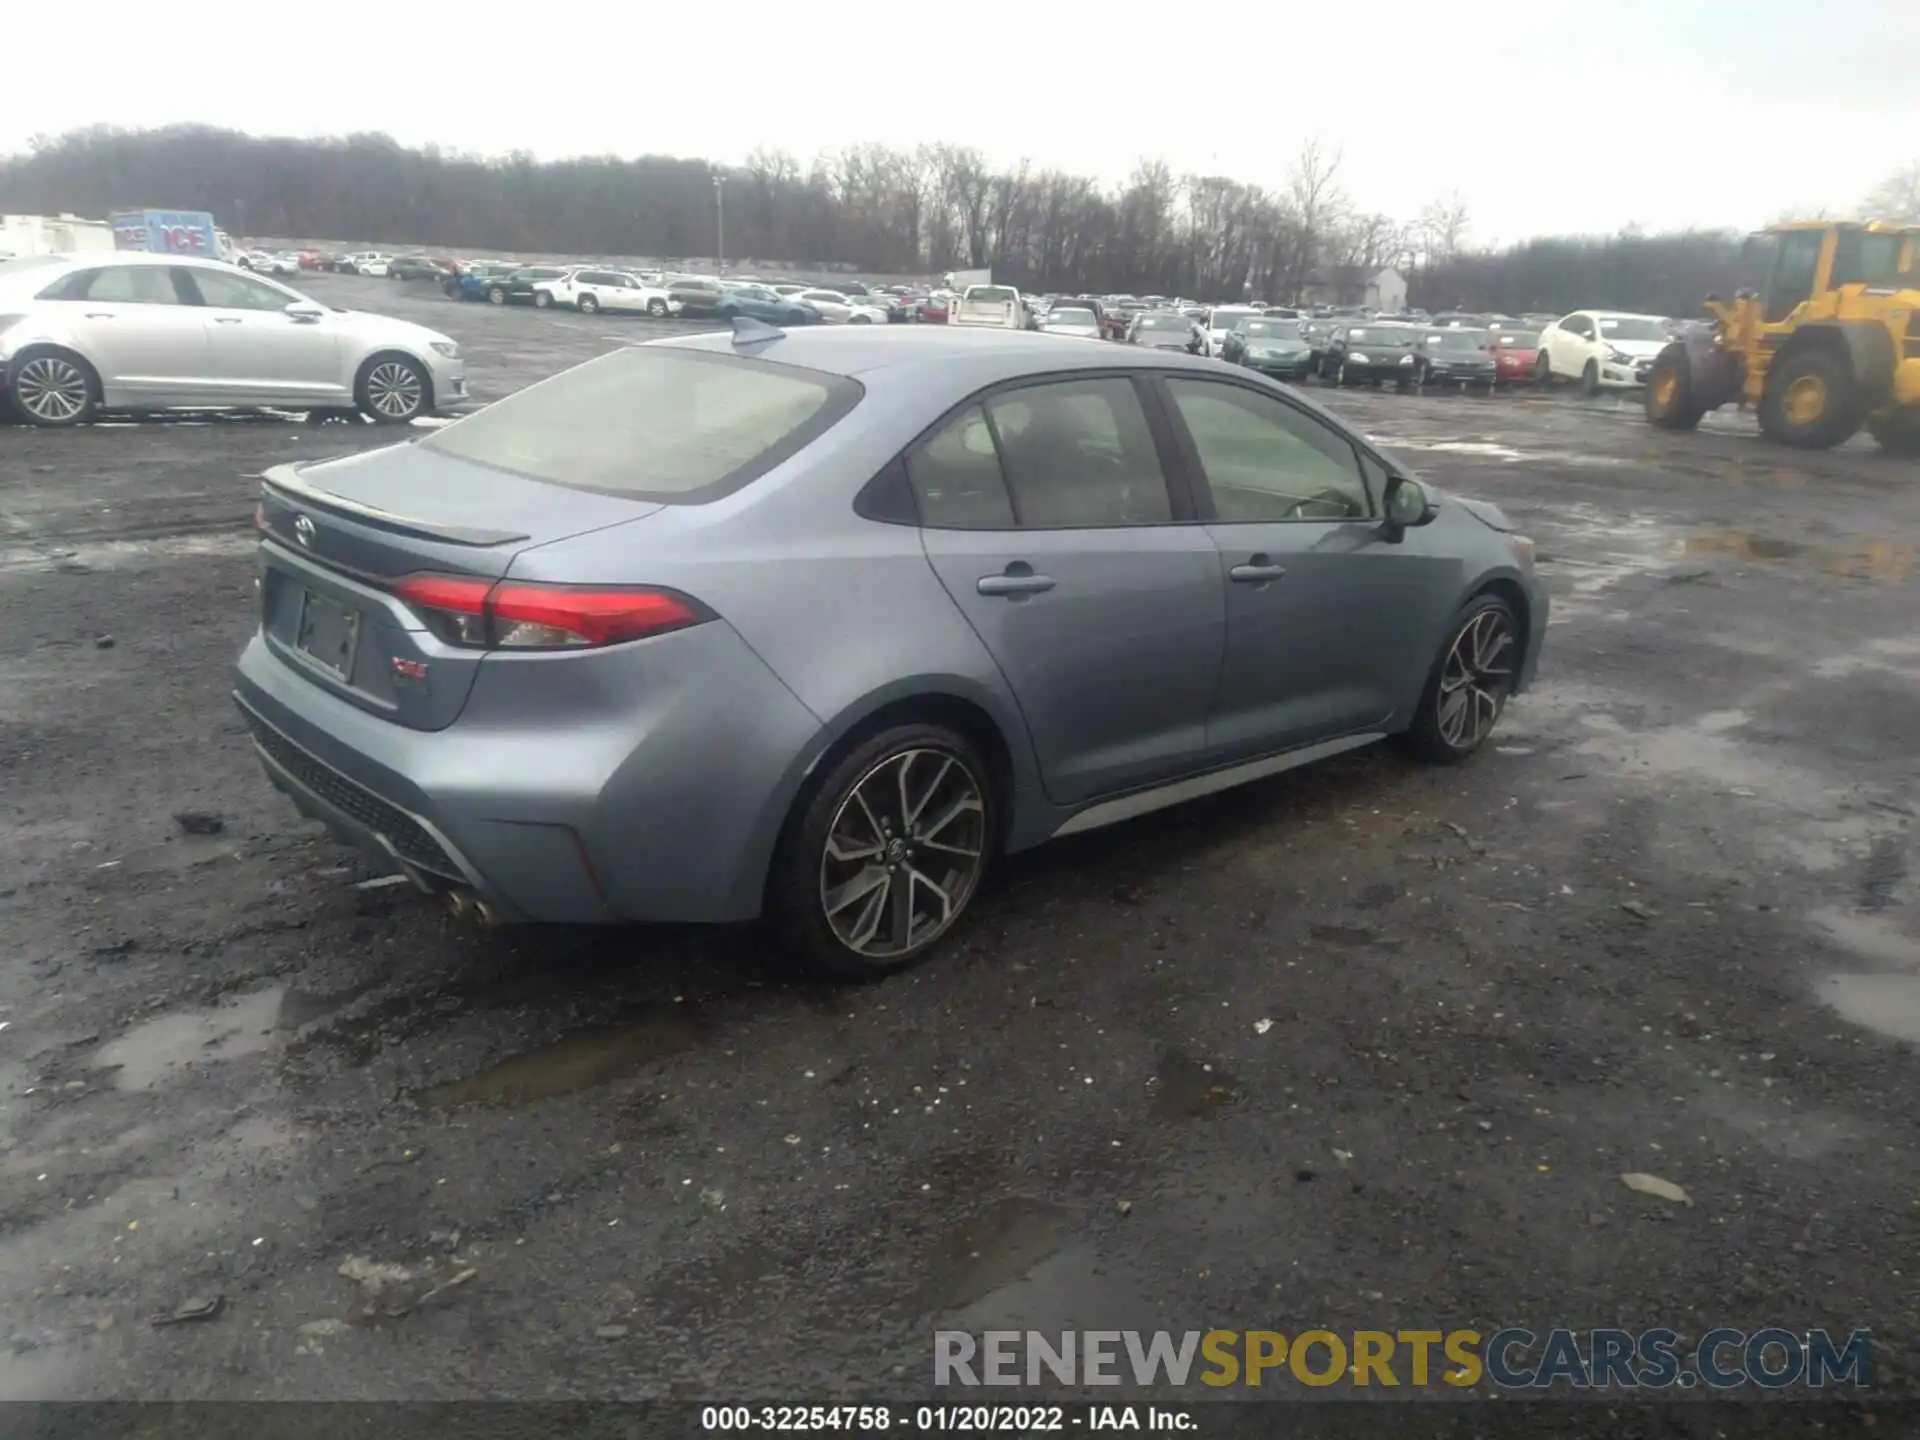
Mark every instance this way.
x=518 y=615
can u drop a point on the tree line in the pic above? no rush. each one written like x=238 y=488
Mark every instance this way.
x=880 y=210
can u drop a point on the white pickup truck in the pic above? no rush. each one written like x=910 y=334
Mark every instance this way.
x=996 y=305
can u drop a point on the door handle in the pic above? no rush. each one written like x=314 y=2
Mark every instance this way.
x=1014 y=583
x=99 y=315
x=226 y=319
x=1256 y=571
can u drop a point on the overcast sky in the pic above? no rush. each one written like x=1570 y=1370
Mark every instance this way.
x=1546 y=115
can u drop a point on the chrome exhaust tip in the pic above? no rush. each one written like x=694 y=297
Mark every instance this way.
x=487 y=915
x=461 y=903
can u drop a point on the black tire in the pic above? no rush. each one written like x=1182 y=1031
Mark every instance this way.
x=542 y=299
x=383 y=395
x=797 y=883
x=496 y=295
x=1670 y=400
x=61 y=389
x=1898 y=433
x=1590 y=379
x=1836 y=420
x=589 y=305
x=1428 y=736
x=1543 y=371
x=1341 y=378
x=859 y=319
x=1402 y=384
x=657 y=309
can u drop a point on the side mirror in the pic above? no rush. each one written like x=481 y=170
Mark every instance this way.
x=1407 y=505
x=304 y=312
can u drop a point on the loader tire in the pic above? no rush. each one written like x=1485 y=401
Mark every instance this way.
x=1810 y=402
x=1670 y=400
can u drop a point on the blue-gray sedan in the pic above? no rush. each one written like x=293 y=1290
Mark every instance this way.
x=809 y=626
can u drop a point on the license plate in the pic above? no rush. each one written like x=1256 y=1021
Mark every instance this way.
x=328 y=634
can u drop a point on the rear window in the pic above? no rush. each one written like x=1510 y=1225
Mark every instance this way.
x=674 y=426
x=991 y=295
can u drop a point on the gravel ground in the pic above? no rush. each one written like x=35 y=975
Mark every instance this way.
x=1367 y=1046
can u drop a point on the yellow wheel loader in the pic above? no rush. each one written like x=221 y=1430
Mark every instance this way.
x=1829 y=344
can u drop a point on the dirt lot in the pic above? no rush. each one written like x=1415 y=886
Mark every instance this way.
x=1667 y=925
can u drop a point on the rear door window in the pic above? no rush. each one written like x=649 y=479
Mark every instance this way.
x=674 y=426
x=957 y=479
x=131 y=285
x=1079 y=455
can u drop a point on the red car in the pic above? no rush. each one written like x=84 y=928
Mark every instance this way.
x=933 y=310
x=1513 y=355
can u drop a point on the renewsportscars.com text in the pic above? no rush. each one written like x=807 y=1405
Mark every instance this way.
x=1509 y=1359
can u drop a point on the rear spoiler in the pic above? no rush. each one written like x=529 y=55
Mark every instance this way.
x=285 y=481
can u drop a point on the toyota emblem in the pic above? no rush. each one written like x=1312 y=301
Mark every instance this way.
x=303 y=532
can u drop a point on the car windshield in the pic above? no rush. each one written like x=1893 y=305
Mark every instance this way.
x=1272 y=329
x=1165 y=322
x=1633 y=327
x=1457 y=339
x=1072 y=315
x=651 y=422
x=991 y=295
x=1516 y=339
x=1380 y=335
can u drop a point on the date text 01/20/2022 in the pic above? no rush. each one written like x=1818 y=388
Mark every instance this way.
x=932 y=1419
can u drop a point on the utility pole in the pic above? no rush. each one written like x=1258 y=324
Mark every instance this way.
x=720 y=221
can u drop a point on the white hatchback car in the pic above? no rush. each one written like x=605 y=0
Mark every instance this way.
x=1602 y=349
x=124 y=330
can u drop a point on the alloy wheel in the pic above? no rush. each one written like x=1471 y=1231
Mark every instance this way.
x=1475 y=679
x=51 y=389
x=394 y=390
x=904 y=853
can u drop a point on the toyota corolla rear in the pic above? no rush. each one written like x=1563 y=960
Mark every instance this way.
x=480 y=661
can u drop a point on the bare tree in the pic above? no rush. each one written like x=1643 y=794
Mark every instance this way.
x=1443 y=228
x=1897 y=197
x=1314 y=203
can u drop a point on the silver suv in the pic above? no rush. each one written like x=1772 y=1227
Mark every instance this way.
x=132 y=331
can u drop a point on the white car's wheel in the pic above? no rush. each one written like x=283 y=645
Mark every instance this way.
x=393 y=390
x=53 y=388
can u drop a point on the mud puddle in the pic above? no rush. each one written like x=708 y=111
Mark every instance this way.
x=171 y=1046
x=1856 y=558
x=997 y=1247
x=577 y=1062
x=1886 y=1004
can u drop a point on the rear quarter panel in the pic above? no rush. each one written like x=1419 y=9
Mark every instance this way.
x=846 y=612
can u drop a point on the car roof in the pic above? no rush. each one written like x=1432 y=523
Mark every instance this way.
x=988 y=354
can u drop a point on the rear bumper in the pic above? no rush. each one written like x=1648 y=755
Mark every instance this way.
x=643 y=782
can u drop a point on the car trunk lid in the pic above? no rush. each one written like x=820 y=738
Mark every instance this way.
x=336 y=537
